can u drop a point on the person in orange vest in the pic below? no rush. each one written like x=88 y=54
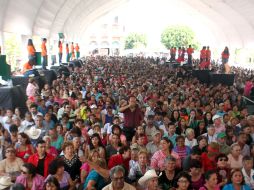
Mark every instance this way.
x=190 y=51
x=224 y=58
x=77 y=51
x=179 y=52
x=28 y=66
x=171 y=54
x=174 y=54
x=67 y=53
x=208 y=55
x=72 y=51
x=44 y=53
x=179 y=55
x=60 y=51
x=31 y=50
x=183 y=54
x=203 y=54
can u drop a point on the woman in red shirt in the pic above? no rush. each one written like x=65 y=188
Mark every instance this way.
x=208 y=159
x=24 y=148
x=224 y=58
x=225 y=55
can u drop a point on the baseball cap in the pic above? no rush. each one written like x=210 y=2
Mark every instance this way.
x=221 y=135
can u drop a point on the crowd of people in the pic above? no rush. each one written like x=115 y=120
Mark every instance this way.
x=129 y=123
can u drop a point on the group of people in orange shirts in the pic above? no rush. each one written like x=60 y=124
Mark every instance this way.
x=205 y=57
x=32 y=54
x=68 y=53
x=181 y=54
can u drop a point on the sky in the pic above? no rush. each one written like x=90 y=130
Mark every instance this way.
x=150 y=17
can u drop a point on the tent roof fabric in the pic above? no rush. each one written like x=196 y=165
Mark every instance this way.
x=231 y=21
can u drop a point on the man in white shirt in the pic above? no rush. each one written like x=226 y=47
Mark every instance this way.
x=211 y=136
x=248 y=172
x=34 y=111
x=117 y=175
x=7 y=119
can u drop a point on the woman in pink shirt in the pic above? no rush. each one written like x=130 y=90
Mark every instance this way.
x=31 y=88
x=235 y=159
x=211 y=181
x=85 y=168
x=157 y=160
x=29 y=178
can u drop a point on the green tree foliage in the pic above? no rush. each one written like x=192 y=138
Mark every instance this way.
x=12 y=50
x=135 y=40
x=179 y=36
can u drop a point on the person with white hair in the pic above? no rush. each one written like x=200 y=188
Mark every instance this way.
x=117 y=175
x=190 y=140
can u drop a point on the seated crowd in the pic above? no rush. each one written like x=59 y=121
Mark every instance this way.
x=129 y=123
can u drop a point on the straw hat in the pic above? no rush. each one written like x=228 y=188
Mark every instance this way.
x=93 y=106
x=150 y=174
x=216 y=117
x=33 y=133
x=5 y=182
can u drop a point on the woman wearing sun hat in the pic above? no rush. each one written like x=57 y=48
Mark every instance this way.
x=34 y=134
x=5 y=182
x=150 y=180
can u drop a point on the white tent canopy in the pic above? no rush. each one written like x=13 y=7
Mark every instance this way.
x=230 y=21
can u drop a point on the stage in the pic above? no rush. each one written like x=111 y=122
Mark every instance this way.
x=209 y=77
x=12 y=97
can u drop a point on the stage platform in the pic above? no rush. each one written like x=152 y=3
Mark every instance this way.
x=12 y=97
x=208 y=77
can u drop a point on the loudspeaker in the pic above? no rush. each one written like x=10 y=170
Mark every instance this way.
x=76 y=63
x=5 y=69
x=202 y=75
x=224 y=79
x=59 y=70
x=32 y=72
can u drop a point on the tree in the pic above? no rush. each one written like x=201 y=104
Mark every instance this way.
x=178 y=36
x=12 y=50
x=135 y=40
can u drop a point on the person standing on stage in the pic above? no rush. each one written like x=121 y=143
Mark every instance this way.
x=171 y=54
x=31 y=51
x=174 y=53
x=190 y=51
x=60 y=51
x=72 y=51
x=208 y=55
x=224 y=57
x=179 y=52
x=203 y=55
x=77 y=51
x=67 y=53
x=183 y=54
x=44 y=53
